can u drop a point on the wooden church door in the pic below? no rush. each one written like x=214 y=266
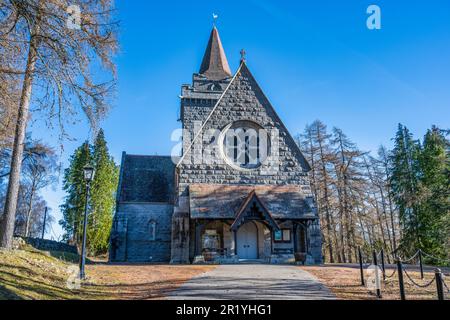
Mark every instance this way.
x=247 y=242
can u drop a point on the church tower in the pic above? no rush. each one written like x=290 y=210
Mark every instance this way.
x=244 y=197
x=197 y=101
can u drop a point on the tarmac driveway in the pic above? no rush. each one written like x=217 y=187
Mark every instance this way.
x=253 y=282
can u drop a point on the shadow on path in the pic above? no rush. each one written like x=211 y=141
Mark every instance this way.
x=253 y=282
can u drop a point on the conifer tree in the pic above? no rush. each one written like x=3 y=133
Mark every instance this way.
x=75 y=187
x=101 y=200
x=435 y=194
x=398 y=200
x=405 y=173
x=102 y=197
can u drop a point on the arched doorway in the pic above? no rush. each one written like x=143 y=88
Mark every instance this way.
x=247 y=241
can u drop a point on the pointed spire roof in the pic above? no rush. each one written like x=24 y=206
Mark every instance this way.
x=215 y=64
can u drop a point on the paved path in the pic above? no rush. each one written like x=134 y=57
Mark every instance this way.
x=253 y=282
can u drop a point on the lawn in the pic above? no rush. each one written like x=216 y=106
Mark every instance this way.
x=345 y=282
x=33 y=274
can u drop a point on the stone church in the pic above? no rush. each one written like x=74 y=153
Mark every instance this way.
x=238 y=191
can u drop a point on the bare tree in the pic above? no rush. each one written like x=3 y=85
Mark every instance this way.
x=383 y=162
x=347 y=176
x=36 y=218
x=57 y=59
x=352 y=193
x=38 y=174
x=316 y=141
x=374 y=201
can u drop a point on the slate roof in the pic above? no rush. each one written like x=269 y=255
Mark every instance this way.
x=146 y=179
x=210 y=201
x=215 y=64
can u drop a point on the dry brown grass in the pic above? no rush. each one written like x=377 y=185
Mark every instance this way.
x=36 y=275
x=344 y=281
x=140 y=282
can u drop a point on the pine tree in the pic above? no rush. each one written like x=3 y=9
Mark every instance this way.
x=435 y=194
x=102 y=197
x=405 y=173
x=101 y=200
x=75 y=187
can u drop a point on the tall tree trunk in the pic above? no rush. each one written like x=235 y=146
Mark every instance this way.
x=412 y=189
x=29 y=211
x=385 y=162
x=328 y=216
x=363 y=229
x=380 y=219
x=341 y=257
x=391 y=211
x=341 y=252
x=9 y=214
x=385 y=220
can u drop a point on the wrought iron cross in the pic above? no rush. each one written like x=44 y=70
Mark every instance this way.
x=243 y=53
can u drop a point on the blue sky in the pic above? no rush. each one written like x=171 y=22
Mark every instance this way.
x=313 y=59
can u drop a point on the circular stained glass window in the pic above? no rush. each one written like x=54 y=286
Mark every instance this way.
x=245 y=144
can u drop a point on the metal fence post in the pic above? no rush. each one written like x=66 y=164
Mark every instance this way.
x=361 y=268
x=439 y=286
x=400 y=279
x=421 y=263
x=377 y=276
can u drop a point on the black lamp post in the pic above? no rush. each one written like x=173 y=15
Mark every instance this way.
x=88 y=172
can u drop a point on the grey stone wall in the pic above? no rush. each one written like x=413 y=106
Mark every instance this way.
x=243 y=101
x=285 y=165
x=132 y=235
x=49 y=245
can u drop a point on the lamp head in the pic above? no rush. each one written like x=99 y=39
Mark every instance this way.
x=88 y=173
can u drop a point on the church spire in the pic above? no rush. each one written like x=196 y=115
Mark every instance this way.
x=215 y=65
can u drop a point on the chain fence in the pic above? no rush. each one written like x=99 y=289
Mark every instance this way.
x=446 y=287
x=426 y=285
x=378 y=260
x=412 y=258
x=435 y=258
x=392 y=275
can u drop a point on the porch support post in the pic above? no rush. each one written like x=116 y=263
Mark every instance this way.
x=307 y=244
x=198 y=230
x=295 y=229
x=235 y=243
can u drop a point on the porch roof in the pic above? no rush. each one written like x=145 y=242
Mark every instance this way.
x=212 y=201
